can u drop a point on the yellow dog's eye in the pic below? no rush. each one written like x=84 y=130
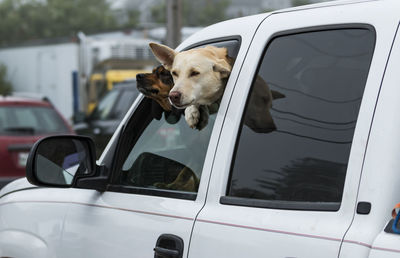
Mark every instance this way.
x=194 y=73
x=174 y=73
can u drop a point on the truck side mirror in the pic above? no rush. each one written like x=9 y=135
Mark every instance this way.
x=60 y=160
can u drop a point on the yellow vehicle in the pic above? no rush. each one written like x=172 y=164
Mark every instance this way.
x=100 y=83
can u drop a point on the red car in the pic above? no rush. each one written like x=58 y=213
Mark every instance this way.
x=22 y=122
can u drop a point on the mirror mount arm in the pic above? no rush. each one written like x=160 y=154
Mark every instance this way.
x=98 y=183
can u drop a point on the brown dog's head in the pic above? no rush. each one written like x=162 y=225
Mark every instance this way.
x=199 y=74
x=156 y=85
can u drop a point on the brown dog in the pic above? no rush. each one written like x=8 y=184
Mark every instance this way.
x=156 y=85
x=199 y=76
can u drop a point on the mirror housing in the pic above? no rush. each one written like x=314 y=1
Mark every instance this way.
x=59 y=161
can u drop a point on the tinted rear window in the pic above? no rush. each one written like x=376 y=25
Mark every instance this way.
x=30 y=120
x=295 y=147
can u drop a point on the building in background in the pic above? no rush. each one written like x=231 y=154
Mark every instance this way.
x=61 y=69
x=46 y=68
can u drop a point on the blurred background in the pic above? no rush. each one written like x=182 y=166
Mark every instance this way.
x=79 y=58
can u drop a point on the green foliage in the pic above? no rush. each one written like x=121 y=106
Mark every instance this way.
x=32 y=19
x=204 y=13
x=194 y=13
x=159 y=13
x=300 y=2
x=133 y=18
x=5 y=86
x=268 y=10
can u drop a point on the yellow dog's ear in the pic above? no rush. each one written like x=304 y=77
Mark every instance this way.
x=163 y=54
x=223 y=67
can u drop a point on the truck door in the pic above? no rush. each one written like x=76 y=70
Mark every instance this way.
x=287 y=185
x=160 y=171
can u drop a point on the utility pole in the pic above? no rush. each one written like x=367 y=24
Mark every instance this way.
x=174 y=23
x=81 y=77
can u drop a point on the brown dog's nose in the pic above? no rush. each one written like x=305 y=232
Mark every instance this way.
x=140 y=76
x=175 y=97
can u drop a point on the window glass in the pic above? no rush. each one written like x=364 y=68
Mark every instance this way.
x=103 y=109
x=163 y=155
x=299 y=121
x=125 y=102
x=165 y=150
x=31 y=120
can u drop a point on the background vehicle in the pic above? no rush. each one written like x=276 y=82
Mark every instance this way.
x=104 y=119
x=322 y=185
x=22 y=122
x=101 y=83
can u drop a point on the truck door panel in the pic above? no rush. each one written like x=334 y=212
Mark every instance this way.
x=283 y=190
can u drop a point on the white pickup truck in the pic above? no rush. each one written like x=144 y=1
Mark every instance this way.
x=322 y=184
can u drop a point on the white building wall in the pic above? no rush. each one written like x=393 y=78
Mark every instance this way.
x=45 y=70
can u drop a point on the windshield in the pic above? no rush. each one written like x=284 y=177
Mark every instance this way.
x=30 y=120
x=114 y=104
x=103 y=109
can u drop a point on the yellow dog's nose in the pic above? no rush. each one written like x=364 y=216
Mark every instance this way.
x=175 y=97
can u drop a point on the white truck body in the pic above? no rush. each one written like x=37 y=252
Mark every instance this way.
x=122 y=222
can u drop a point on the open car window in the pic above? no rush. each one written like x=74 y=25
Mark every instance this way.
x=160 y=154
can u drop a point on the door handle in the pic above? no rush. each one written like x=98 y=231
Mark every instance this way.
x=168 y=246
x=164 y=252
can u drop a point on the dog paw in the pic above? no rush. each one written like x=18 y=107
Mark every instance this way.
x=192 y=116
x=203 y=120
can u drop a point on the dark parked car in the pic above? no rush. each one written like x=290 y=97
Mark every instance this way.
x=105 y=118
x=22 y=122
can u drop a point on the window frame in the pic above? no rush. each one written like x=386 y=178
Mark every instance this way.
x=139 y=115
x=278 y=204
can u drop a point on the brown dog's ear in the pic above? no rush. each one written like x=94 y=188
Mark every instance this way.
x=277 y=94
x=223 y=67
x=163 y=54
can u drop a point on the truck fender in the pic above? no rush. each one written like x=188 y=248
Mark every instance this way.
x=14 y=243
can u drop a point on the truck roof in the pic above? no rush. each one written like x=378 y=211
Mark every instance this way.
x=323 y=4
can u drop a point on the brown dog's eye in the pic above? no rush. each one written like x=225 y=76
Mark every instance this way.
x=165 y=73
x=194 y=73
